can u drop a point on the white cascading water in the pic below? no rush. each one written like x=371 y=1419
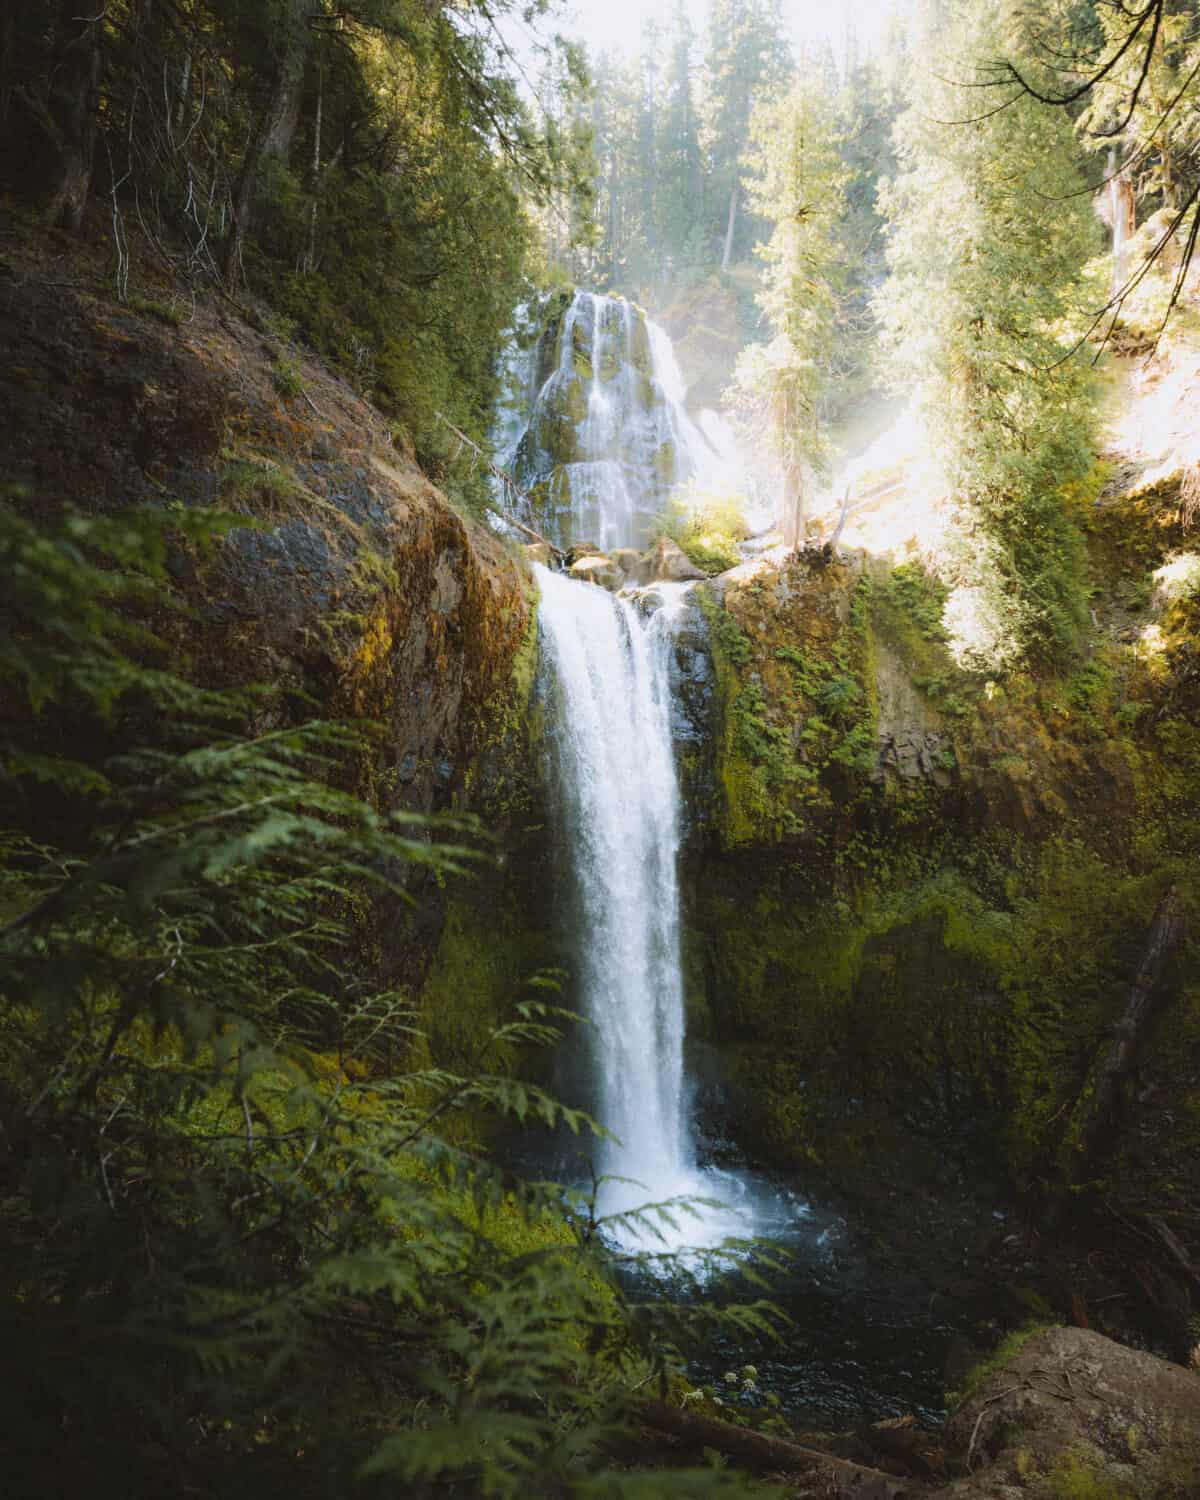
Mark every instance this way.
x=607 y=661
x=613 y=742
x=597 y=427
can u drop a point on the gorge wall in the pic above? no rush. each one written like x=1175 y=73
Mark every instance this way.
x=915 y=900
x=355 y=590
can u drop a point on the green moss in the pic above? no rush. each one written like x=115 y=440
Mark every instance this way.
x=1005 y=1351
x=1074 y=1478
x=500 y=782
x=485 y=957
x=163 y=311
x=797 y=701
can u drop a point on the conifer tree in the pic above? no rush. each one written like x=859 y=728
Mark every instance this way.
x=796 y=182
x=681 y=194
x=746 y=55
x=989 y=228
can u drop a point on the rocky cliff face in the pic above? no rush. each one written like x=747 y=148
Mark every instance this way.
x=356 y=590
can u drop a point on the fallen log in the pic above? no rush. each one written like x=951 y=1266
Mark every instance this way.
x=768 y=1454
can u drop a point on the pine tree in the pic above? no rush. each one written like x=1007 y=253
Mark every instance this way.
x=746 y=55
x=681 y=193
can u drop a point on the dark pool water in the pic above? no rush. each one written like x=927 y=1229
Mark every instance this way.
x=868 y=1334
x=877 y=1295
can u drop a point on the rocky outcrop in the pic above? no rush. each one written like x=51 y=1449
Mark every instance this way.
x=671 y=564
x=910 y=734
x=355 y=589
x=598 y=568
x=1073 y=1413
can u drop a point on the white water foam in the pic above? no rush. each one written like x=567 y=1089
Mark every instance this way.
x=609 y=686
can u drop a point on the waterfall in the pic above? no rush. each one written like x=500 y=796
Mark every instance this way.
x=603 y=440
x=595 y=429
x=612 y=741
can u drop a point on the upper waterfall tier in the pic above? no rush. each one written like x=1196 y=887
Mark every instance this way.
x=595 y=429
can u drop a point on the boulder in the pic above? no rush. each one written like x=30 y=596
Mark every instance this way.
x=1072 y=1412
x=540 y=552
x=671 y=564
x=635 y=565
x=595 y=567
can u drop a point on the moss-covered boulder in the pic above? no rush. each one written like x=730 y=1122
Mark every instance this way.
x=1070 y=1415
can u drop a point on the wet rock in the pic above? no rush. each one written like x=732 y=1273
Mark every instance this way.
x=672 y=564
x=911 y=741
x=597 y=568
x=540 y=552
x=692 y=680
x=635 y=565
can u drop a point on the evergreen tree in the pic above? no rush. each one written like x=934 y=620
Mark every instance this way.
x=746 y=55
x=979 y=315
x=795 y=180
x=648 y=126
x=682 y=190
x=866 y=106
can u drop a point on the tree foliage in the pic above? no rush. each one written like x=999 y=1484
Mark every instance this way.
x=1129 y=76
x=670 y=128
x=981 y=313
x=796 y=182
x=365 y=166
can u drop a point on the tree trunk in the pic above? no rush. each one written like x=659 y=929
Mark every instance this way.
x=185 y=83
x=273 y=130
x=310 y=254
x=794 y=517
x=770 y=1454
x=1166 y=934
x=728 y=251
x=77 y=99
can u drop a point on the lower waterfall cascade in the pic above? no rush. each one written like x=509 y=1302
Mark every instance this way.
x=612 y=740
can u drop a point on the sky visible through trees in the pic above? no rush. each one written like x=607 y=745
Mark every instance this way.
x=618 y=26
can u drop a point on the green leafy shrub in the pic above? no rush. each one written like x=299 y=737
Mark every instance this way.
x=707 y=526
x=920 y=597
x=286 y=376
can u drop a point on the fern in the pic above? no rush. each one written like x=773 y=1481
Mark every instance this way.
x=235 y=1245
